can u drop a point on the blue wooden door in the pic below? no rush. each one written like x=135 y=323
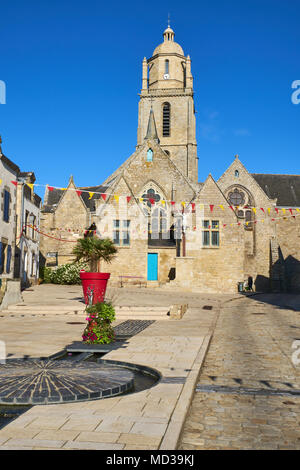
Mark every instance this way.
x=152 y=267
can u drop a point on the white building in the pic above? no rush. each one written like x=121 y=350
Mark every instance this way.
x=8 y=173
x=19 y=224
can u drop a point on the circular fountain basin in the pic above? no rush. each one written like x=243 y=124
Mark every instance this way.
x=40 y=382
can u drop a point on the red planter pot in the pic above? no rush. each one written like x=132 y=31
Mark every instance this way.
x=94 y=286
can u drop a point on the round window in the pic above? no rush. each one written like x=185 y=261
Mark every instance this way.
x=236 y=198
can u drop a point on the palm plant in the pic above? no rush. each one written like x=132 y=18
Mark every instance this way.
x=92 y=250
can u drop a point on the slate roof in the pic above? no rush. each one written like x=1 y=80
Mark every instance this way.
x=286 y=188
x=55 y=196
x=9 y=163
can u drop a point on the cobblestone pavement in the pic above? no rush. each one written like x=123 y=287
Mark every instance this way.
x=249 y=362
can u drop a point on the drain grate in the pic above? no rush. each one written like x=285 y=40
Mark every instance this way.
x=130 y=328
x=246 y=391
x=207 y=307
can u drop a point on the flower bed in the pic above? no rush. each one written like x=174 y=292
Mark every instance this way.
x=99 y=329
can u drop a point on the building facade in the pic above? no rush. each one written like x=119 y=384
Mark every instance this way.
x=171 y=229
x=19 y=224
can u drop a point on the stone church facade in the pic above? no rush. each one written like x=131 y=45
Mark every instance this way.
x=170 y=229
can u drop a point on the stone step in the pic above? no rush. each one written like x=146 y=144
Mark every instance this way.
x=49 y=308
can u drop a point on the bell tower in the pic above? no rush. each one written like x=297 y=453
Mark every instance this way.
x=167 y=90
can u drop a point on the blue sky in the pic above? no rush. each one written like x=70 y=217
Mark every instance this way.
x=73 y=73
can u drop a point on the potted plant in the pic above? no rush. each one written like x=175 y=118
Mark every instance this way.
x=92 y=250
x=99 y=329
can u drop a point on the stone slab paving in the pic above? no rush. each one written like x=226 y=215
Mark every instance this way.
x=151 y=419
x=250 y=354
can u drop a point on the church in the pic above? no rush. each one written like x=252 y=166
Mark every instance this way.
x=172 y=230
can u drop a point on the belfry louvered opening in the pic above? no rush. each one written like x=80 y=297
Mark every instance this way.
x=166 y=119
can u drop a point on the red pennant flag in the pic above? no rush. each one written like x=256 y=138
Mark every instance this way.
x=15 y=183
x=277 y=210
x=272 y=220
x=211 y=207
x=104 y=196
x=239 y=223
x=291 y=211
x=79 y=193
x=50 y=188
x=224 y=225
x=173 y=203
x=230 y=207
x=262 y=209
x=193 y=206
x=128 y=199
x=151 y=201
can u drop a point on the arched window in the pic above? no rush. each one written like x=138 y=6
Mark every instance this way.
x=149 y=155
x=236 y=173
x=166 y=119
x=166 y=66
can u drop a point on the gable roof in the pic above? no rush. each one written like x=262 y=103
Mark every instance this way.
x=54 y=197
x=284 y=188
x=11 y=165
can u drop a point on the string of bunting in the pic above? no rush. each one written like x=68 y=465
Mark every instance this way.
x=163 y=201
x=144 y=231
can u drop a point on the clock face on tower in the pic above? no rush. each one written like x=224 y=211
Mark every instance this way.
x=166 y=76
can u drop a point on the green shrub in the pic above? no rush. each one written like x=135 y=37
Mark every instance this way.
x=64 y=274
x=45 y=274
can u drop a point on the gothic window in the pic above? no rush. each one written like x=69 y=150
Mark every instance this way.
x=166 y=119
x=166 y=66
x=236 y=173
x=151 y=197
x=236 y=198
x=149 y=155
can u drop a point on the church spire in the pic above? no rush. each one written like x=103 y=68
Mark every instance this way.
x=151 y=129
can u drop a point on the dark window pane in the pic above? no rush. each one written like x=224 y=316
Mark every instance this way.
x=116 y=237
x=215 y=238
x=205 y=238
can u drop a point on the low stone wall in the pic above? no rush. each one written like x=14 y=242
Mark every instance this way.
x=10 y=293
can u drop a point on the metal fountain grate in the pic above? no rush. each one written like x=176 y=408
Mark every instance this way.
x=130 y=328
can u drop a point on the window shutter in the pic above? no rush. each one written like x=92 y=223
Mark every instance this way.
x=6 y=206
x=8 y=259
x=1 y=260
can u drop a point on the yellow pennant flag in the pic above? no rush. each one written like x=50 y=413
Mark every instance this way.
x=269 y=210
x=283 y=211
x=116 y=197
x=298 y=210
x=63 y=189
x=183 y=204
x=91 y=195
x=163 y=202
x=222 y=207
x=247 y=223
x=141 y=199
x=30 y=185
x=0 y=181
x=254 y=209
